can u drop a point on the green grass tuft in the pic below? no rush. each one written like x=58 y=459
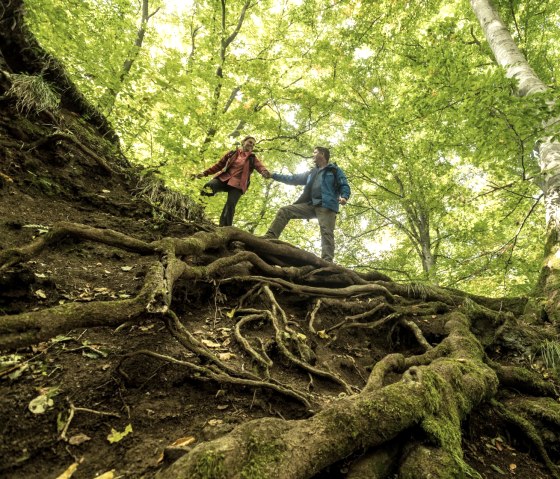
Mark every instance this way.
x=32 y=94
x=550 y=352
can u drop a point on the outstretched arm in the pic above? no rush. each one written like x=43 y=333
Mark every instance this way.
x=299 y=179
x=259 y=166
x=215 y=167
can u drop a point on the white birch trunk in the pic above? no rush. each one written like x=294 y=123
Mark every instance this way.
x=509 y=57
x=505 y=50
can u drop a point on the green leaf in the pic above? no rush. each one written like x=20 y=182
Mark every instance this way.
x=116 y=436
x=497 y=469
x=41 y=404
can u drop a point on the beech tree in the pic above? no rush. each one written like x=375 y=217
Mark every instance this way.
x=548 y=149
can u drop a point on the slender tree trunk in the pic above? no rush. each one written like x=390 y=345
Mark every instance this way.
x=428 y=261
x=418 y=230
x=516 y=66
x=224 y=45
x=111 y=94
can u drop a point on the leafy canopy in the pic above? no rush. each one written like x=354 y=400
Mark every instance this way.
x=435 y=144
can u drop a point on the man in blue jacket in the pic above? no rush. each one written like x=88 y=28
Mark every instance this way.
x=326 y=187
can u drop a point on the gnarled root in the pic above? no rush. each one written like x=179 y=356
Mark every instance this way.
x=436 y=397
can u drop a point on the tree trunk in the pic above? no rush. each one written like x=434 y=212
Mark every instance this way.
x=509 y=57
x=224 y=45
x=108 y=102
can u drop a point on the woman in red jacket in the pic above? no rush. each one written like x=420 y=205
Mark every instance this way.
x=231 y=174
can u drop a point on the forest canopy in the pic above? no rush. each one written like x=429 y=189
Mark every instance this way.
x=436 y=142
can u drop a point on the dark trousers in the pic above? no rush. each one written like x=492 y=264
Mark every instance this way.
x=226 y=218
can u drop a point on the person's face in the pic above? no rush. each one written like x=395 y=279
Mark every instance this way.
x=249 y=144
x=318 y=158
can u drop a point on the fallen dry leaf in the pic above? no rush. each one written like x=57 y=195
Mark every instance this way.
x=322 y=334
x=184 y=441
x=116 y=436
x=68 y=472
x=211 y=344
x=226 y=356
x=40 y=294
x=78 y=439
x=107 y=475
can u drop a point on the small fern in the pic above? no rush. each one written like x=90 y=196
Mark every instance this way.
x=420 y=290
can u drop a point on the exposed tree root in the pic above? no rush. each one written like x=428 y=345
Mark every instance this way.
x=435 y=396
x=417 y=333
x=35 y=326
x=544 y=409
x=530 y=432
x=522 y=379
x=265 y=362
x=12 y=256
x=220 y=377
x=59 y=136
x=392 y=318
x=72 y=411
x=280 y=331
x=427 y=394
x=378 y=463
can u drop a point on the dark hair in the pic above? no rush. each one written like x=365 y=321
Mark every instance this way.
x=325 y=151
x=246 y=138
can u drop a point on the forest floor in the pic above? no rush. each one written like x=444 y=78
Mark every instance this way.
x=77 y=401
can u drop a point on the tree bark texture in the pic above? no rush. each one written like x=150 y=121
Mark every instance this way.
x=514 y=63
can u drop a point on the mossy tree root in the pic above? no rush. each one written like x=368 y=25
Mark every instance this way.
x=59 y=231
x=524 y=380
x=378 y=463
x=32 y=327
x=435 y=397
x=530 y=431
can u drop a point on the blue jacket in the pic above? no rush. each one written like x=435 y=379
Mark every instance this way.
x=335 y=185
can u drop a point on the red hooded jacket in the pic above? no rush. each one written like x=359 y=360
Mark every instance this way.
x=222 y=167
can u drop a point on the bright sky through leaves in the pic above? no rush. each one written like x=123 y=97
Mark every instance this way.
x=392 y=89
